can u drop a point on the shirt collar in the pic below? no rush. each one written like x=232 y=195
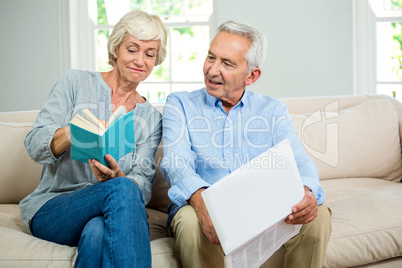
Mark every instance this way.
x=211 y=100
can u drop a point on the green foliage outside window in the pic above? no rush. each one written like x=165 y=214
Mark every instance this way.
x=103 y=36
x=102 y=18
x=397 y=37
x=138 y=4
x=396 y=4
x=397 y=49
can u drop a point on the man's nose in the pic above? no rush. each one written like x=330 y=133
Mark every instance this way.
x=214 y=69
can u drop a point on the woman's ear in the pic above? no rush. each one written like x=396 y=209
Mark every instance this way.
x=253 y=76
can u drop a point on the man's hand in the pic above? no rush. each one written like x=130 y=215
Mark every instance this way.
x=104 y=173
x=198 y=204
x=305 y=211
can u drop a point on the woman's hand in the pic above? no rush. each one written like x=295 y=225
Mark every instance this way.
x=104 y=173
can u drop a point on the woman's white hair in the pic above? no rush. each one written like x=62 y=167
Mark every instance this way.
x=142 y=26
x=255 y=56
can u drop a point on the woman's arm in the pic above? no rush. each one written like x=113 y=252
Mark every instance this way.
x=61 y=141
x=49 y=136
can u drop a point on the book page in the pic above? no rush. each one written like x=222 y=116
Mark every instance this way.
x=118 y=113
x=119 y=137
x=254 y=197
x=81 y=122
x=94 y=120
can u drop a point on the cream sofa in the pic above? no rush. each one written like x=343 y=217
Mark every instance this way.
x=354 y=141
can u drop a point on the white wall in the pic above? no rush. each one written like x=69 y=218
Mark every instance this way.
x=310 y=44
x=310 y=47
x=30 y=58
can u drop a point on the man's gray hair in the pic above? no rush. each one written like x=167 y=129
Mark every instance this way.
x=255 y=56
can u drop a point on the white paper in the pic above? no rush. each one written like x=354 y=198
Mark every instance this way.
x=248 y=207
x=255 y=252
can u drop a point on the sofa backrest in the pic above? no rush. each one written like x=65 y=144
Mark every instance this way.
x=353 y=136
x=20 y=175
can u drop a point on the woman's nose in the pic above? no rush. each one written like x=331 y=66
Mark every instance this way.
x=139 y=59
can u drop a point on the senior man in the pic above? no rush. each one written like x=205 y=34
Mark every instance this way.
x=209 y=133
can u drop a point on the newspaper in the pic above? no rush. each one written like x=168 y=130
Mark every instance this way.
x=258 y=250
x=248 y=207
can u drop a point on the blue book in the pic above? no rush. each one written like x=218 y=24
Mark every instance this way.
x=90 y=139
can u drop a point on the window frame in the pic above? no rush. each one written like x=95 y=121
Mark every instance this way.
x=365 y=46
x=79 y=37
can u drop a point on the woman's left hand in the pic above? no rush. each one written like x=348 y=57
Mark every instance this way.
x=104 y=173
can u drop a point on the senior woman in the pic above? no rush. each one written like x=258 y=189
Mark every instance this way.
x=97 y=208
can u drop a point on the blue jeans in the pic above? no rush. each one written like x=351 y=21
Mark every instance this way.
x=107 y=221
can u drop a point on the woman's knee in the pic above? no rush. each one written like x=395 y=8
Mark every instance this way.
x=126 y=188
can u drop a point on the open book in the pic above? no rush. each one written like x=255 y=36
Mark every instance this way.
x=248 y=207
x=90 y=139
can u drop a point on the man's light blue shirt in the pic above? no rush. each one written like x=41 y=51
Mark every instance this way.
x=202 y=143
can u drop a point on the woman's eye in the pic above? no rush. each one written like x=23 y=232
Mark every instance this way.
x=151 y=55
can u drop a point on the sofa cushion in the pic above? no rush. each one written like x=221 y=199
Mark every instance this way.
x=20 y=249
x=20 y=175
x=19 y=117
x=159 y=198
x=10 y=218
x=351 y=143
x=366 y=221
x=164 y=253
x=157 y=223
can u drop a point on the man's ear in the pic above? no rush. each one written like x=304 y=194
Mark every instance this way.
x=253 y=76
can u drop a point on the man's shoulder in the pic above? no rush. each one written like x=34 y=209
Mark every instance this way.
x=184 y=102
x=186 y=94
x=186 y=98
x=258 y=99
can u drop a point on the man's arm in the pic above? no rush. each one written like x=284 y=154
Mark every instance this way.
x=306 y=210
x=198 y=204
x=178 y=165
x=284 y=129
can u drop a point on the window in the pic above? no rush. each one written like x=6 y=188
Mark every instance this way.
x=388 y=29
x=187 y=23
x=378 y=47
